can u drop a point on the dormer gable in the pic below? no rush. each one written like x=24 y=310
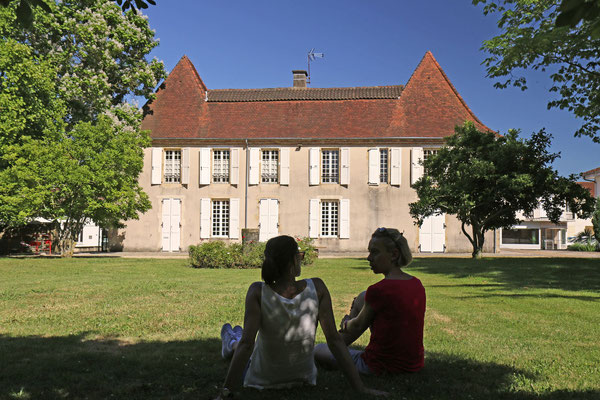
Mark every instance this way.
x=178 y=104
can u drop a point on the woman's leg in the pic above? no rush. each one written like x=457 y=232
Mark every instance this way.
x=322 y=353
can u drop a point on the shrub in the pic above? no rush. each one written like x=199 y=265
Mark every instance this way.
x=310 y=251
x=583 y=247
x=253 y=254
x=217 y=254
x=214 y=254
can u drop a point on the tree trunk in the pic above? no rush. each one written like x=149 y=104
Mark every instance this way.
x=479 y=238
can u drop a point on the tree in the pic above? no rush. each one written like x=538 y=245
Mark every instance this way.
x=530 y=39
x=485 y=179
x=572 y=12
x=596 y=223
x=72 y=148
x=24 y=8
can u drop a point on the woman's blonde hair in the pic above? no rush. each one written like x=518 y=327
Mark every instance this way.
x=396 y=241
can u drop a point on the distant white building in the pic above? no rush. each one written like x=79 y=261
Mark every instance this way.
x=538 y=233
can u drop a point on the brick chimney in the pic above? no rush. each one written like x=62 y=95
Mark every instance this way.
x=300 y=78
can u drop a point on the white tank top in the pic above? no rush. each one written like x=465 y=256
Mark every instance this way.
x=283 y=352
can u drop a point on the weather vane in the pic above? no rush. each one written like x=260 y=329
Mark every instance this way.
x=311 y=57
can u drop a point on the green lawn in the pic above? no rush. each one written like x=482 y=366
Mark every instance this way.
x=100 y=328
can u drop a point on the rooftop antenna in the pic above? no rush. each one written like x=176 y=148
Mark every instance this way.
x=311 y=57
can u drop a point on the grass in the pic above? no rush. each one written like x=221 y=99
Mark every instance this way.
x=130 y=329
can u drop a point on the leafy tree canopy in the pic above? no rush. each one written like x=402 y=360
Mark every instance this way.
x=24 y=8
x=72 y=148
x=574 y=11
x=596 y=222
x=485 y=179
x=530 y=39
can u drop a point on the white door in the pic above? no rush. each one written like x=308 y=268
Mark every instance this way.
x=171 y=219
x=432 y=235
x=268 y=219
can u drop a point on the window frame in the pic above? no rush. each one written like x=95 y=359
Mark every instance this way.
x=164 y=165
x=212 y=161
x=227 y=222
x=322 y=167
x=330 y=218
x=277 y=164
x=387 y=165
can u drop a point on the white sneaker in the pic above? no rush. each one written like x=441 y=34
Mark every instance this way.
x=227 y=337
x=237 y=332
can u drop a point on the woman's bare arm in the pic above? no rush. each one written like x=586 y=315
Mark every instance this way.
x=354 y=327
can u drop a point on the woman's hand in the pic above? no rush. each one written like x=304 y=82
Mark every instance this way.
x=344 y=323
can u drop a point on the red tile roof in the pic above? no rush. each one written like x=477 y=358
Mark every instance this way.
x=296 y=93
x=429 y=106
x=595 y=171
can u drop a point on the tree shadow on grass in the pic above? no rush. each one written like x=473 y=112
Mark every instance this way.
x=75 y=367
x=573 y=274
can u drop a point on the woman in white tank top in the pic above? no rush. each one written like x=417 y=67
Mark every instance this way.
x=284 y=312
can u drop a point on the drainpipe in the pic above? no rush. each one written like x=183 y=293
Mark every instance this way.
x=246 y=189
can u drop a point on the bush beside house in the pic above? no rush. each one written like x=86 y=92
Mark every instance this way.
x=217 y=254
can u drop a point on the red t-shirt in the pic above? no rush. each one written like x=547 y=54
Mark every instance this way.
x=396 y=343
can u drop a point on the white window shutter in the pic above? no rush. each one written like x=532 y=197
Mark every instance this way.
x=234 y=218
x=234 y=178
x=313 y=217
x=374 y=161
x=345 y=219
x=396 y=166
x=313 y=166
x=274 y=218
x=416 y=170
x=175 y=224
x=254 y=168
x=204 y=165
x=185 y=165
x=345 y=166
x=204 y=218
x=284 y=166
x=157 y=165
x=263 y=220
x=166 y=225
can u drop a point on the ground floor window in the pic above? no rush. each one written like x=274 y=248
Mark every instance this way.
x=329 y=218
x=520 y=236
x=220 y=218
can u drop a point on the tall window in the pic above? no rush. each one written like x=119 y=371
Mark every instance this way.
x=172 y=166
x=427 y=153
x=270 y=159
x=221 y=166
x=383 y=165
x=330 y=167
x=220 y=218
x=329 y=218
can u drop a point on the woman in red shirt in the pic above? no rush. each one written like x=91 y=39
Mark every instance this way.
x=393 y=308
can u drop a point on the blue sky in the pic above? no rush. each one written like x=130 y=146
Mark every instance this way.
x=256 y=44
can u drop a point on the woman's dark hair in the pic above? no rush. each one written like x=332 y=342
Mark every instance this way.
x=279 y=253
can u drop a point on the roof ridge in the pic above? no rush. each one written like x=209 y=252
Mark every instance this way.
x=311 y=88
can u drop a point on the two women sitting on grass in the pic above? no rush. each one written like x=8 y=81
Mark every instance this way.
x=394 y=309
x=284 y=312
